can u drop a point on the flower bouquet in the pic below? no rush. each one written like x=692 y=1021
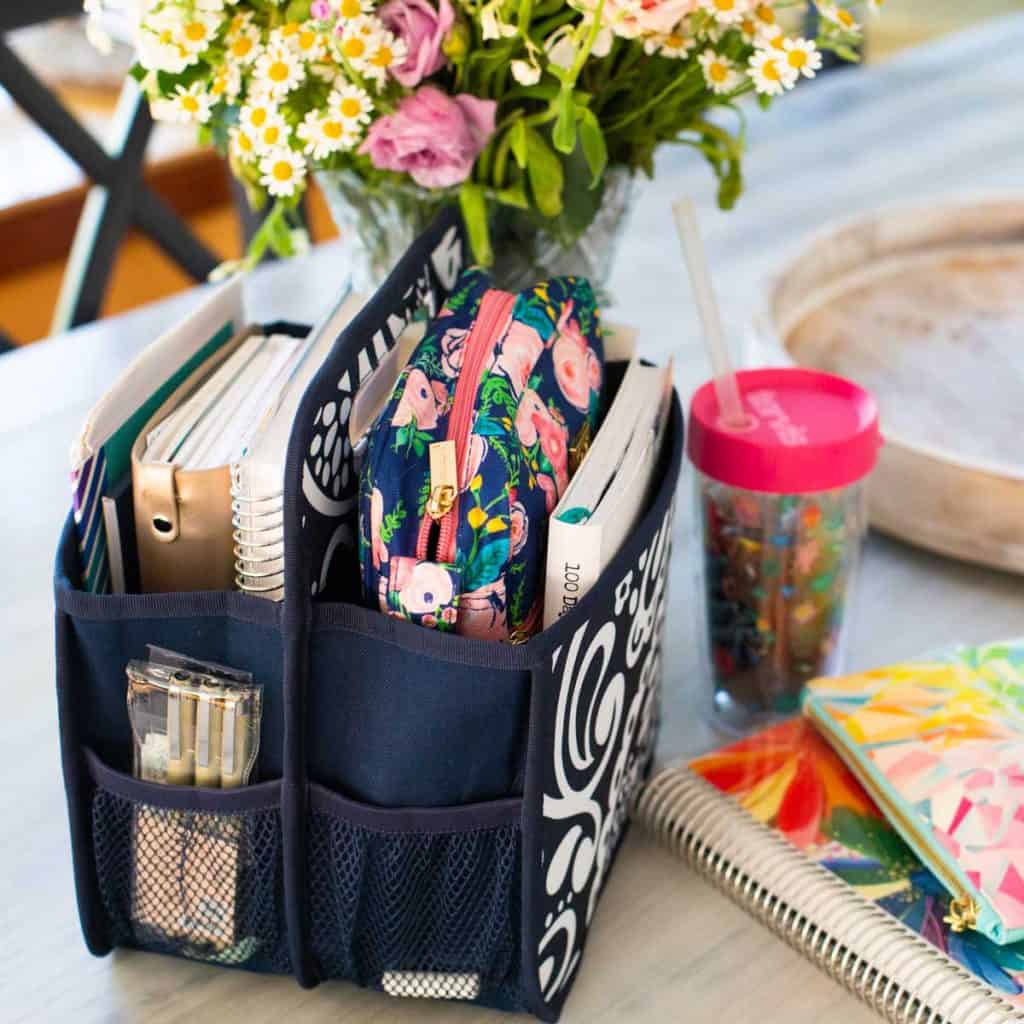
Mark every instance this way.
x=525 y=112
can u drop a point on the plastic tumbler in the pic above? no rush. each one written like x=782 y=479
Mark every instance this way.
x=782 y=515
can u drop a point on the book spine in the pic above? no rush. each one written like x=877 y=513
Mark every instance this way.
x=573 y=566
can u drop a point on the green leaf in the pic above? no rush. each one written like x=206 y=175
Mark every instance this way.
x=583 y=196
x=564 y=135
x=592 y=142
x=544 y=169
x=515 y=196
x=138 y=72
x=517 y=135
x=474 y=213
x=486 y=565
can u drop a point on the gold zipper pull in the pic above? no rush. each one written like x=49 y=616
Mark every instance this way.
x=444 y=479
x=963 y=913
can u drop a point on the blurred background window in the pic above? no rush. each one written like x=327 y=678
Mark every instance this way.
x=42 y=191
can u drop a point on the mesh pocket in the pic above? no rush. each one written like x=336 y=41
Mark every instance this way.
x=426 y=914
x=192 y=883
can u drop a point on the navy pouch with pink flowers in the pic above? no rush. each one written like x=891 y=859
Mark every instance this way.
x=466 y=462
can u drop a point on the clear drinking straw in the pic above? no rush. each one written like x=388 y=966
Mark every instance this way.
x=685 y=213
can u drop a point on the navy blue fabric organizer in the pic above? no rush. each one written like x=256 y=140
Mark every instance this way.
x=435 y=814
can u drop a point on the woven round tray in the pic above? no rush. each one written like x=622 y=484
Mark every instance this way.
x=925 y=307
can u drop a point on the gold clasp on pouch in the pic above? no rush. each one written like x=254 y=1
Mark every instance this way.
x=963 y=913
x=444 y=479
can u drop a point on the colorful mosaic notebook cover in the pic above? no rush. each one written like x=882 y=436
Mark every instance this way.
x=940 y=747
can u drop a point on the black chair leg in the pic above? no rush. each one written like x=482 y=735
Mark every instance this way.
x=119 y=197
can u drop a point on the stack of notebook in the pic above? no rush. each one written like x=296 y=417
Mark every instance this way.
x=914 y=908
x=183 y=460
x=197 y=428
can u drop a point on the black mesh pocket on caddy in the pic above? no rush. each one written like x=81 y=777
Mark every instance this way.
x=176 y=876
x=422 y=902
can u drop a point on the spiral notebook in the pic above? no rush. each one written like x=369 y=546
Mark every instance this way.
x=779 y=824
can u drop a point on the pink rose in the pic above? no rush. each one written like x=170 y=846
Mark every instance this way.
x=535 y=421
x=529 y=405
x=422 y=586
x=520 y=350
x=453 y=344
x=432 y=136
x=547 y=485
x=482 y=612
x=519 y=528
x=422 y=401
x=423 y=29
x=649 y=16
x=554 y=443
x=577 y=369
x=474 y=458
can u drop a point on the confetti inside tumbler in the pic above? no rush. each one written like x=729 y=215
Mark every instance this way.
x=782 y=517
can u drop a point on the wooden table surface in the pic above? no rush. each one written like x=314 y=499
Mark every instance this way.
x=664 y=947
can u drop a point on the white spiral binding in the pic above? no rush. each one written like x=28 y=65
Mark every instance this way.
x=873 y=955
x=258 y=537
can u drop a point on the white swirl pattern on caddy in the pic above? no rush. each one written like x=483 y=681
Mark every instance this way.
x=586 y=814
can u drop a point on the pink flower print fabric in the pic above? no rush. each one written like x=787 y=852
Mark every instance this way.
x=538 y=391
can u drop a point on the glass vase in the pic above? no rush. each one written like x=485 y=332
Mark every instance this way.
x=378 y=223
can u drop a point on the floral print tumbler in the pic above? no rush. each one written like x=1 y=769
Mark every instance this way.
x=782 y=516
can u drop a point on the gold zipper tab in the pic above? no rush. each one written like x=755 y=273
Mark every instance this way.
x=963 y=913
x=444 y=479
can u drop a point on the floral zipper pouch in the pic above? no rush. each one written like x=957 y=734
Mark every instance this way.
x=940 y=747
x=487 y=422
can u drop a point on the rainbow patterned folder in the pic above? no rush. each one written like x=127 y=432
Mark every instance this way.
x=940 y=747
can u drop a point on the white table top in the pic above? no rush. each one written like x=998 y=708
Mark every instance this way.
x=939 y=121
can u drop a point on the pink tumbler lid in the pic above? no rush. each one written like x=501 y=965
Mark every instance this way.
x=807 y=431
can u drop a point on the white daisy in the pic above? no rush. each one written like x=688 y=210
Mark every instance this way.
x=243 y=44
x=357 y=41
x=764 y=14
x=303 y=39
x=241 y=144
x=386 y=52
x=670 y=44
x=282 y=172
x=351 y=104
x=325 y=135
x=838 y=16
x=159 y=42
x=348 y=9
x=271 y=135
x=279 y=70
x=771 y=73
x=875 y=6
x=189 y=105
x=257 y=112
x=227 y=82
x=803 y=55
x=726 y=12
x=309 y=44
x=721 y=75
x=199 y=30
